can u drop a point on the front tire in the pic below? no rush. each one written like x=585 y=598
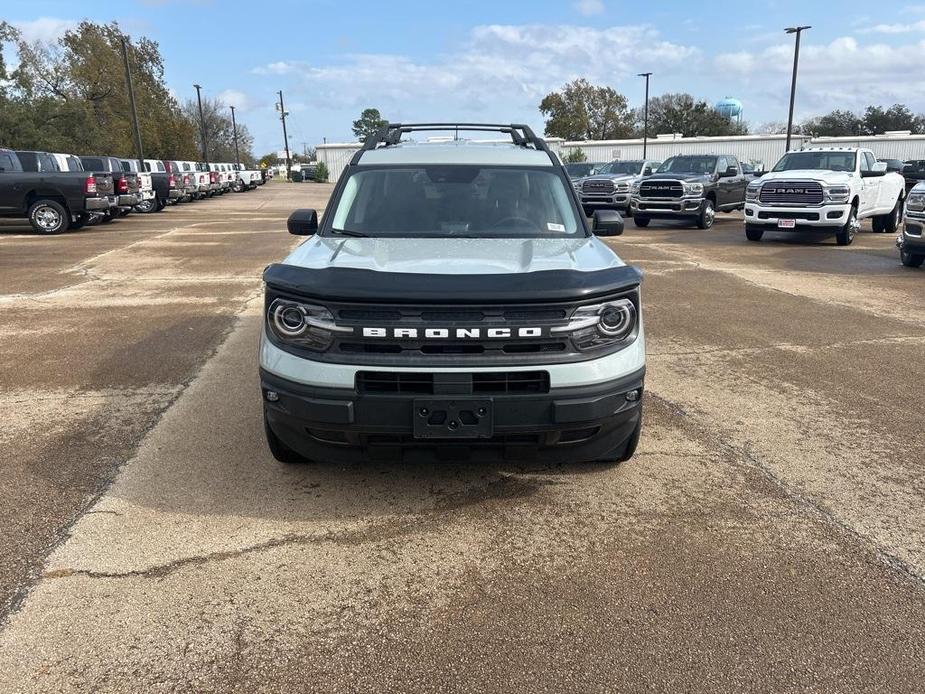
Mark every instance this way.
x=48 y=217
x=845 y=235
x=911 y=259
x=753 y=233
x=707 y=214
x=280 y=450
x=641 y=221
x=147 y=206
x=892 y=220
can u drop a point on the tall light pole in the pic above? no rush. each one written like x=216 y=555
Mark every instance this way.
x=645 y=116
x=793 y=81
x=131 y=99
x=282 y=115
x=202 y=124
x=234 y=129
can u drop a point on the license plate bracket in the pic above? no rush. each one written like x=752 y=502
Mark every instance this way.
x=786 y=223
x=458 y=418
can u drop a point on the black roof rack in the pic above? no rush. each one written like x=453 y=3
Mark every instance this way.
x=390 y=134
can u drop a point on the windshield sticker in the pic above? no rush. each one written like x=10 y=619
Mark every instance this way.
x=555 y=227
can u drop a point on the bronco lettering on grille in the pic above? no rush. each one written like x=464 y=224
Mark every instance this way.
x=454 y=333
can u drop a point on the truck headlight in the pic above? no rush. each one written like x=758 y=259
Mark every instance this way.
x=302 y=325
x=621 y=187
x=751 y=192
x=602 y=325
x=635 y=189
x=915 y=202
x=693 y=188
x=837 y=193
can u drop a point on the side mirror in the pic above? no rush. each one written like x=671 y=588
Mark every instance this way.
x=879 y=167
x=759 y=174
x=732 y=171
x=303 y=222
x=607 y=223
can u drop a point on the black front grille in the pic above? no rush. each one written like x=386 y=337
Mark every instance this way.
x=661 y=189
x=597 y=187
x=426 y=383
x=791 y=193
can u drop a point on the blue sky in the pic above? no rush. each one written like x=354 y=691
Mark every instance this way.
x=495 y=60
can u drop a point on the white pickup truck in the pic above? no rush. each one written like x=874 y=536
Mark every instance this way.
x=245 y=178
x=825 y=189
x=148 y=199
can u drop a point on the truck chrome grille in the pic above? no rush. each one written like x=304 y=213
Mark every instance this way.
x=597 y=187
x=791 y=193
x=661 y=189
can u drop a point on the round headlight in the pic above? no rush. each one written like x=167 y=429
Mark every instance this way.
x=289 y=319
x=617 y=318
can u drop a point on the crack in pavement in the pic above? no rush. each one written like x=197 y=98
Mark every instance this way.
x=801 y=501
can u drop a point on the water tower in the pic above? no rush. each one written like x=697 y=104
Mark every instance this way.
x=730 y=108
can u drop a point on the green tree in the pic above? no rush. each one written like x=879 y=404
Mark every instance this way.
x=582 y=111
x=575 y=156
x=71 y=96
x=321 y=172
x=368 y=123
x=838 y=123
x=682 y=113
x=878 y=120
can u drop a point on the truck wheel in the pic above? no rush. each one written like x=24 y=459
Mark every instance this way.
x=845 y=235
x=707 y=215
x=891 y=221
x=280 y=450
x=48 y=217
x=640 y=221
x=753 y=233
x=238 y=187
x=911 y=259
x=108 y=216
x=146 y=206
x=877 y=224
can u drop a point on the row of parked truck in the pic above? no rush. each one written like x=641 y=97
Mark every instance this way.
x=57 y=192
x=827 y=190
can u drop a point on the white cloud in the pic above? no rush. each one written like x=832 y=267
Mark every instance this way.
x=501 y=70
x=589 y=8
x=894 y=28
x=44 y=29
x=240 y=100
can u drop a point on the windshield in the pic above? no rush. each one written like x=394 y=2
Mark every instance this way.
x=579 y=170
x=456 y=201
x=822 y=161
x=689 y=165
x=621 y=167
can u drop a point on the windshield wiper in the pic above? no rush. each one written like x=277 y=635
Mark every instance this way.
x=348 y=232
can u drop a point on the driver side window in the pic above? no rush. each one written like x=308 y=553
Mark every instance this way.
x=864 y=163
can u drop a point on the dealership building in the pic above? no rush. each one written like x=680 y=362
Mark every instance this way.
x=762 y=150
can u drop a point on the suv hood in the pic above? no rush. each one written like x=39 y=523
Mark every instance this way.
x=454 y=256
x=808 y=174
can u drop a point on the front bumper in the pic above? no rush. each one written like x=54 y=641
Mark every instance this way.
x=666 y=208
x=617 y=201
x=819 y=218
x=96 y=204
x=912 y=238
x=563 y=425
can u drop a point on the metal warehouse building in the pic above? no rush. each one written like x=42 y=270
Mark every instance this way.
x=758 y=149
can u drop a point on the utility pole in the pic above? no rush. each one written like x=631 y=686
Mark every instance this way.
x=202 y=125
x=645 y=117
x=131 y=99
x=234 y=129
x=282 y=115
x=793 y=81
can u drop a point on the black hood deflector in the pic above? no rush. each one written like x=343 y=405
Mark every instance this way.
x=371 y=286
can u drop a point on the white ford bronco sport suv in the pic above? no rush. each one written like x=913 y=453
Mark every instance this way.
x=453 y=302
x=825 y=189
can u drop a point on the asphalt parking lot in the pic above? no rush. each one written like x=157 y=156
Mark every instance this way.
x=766 y=537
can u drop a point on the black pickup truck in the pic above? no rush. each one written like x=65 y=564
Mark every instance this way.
x=128 y=187
x=690 y=187
x=53 y=201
